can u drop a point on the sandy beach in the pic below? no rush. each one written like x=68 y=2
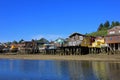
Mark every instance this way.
x=96 y=57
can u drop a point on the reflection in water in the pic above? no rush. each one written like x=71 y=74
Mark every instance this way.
x=58 y=70
x=100 y=70
x=114 y=71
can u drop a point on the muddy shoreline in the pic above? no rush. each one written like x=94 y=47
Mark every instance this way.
x=89 y=57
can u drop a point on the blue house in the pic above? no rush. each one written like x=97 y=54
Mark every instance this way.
x=59 y=42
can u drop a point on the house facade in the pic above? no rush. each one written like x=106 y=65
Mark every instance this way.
x=87 y=41
x=75 y=39
x=27 y=47
x=113 y=38
x=59 y=42
x=114 y=31
x=99 y=42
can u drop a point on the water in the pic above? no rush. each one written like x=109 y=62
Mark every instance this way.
x=58 y=70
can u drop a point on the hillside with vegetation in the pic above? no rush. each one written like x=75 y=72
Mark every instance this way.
x=103 y=27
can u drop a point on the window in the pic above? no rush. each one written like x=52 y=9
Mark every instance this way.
x=112 y=32
x=81 y=37
x=70 y=43
x=110 y=38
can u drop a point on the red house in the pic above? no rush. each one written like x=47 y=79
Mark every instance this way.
x=113 y=38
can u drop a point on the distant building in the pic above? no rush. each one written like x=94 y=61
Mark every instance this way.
x=41 y=43
x=75 y=39
x=14 y=47
x=59 y=42
x=1 y=47
x=113 y=38
x=27 y=47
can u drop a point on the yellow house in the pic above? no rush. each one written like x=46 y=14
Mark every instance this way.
x=87 y=41
x=99 y=42
x=14 y=48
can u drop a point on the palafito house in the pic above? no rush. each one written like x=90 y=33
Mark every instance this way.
x=113 y=38
x=87 y=41
x=75 y=39
x=99 y=42
x=27 y=46
x=59 y=42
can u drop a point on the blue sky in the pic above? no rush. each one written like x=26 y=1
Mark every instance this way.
x=33 y=19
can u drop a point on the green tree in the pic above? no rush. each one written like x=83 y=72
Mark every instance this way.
x=14 y=42
x=117 y=23
x=21 y=41
x=113 y=24
x=106 y=25
x=8 y=43
x=100 y=27
x=32 y=40
x=43 y=40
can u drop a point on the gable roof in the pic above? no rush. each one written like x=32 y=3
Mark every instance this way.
x=76 y=34
x=114 y=28
x=43 y=41
x=60 y=40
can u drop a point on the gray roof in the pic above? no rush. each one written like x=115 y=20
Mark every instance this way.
x=76 y=34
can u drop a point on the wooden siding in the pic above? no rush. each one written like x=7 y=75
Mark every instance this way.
x=112 y=39
x=75 y=39
x=87 y=41
x=114 y=31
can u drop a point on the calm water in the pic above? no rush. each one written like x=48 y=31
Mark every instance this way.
x=58 y=70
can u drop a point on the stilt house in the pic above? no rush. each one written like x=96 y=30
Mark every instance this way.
x=113 y=38
x=75 y=39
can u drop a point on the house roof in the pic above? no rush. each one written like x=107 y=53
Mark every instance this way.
x=59 y=39
x=42 y=41
x=26 y=41
x=76 y=34
x=115 y=27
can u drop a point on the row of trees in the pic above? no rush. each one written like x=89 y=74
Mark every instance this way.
x=42 y=40
x=14 y=42
x=108 y=25
x=103 y=27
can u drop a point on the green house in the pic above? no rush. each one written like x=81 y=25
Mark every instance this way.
x=59 y=42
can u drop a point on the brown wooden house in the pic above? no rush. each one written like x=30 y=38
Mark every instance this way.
x=27 y=47
x=113 y=38
x=75 y=39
